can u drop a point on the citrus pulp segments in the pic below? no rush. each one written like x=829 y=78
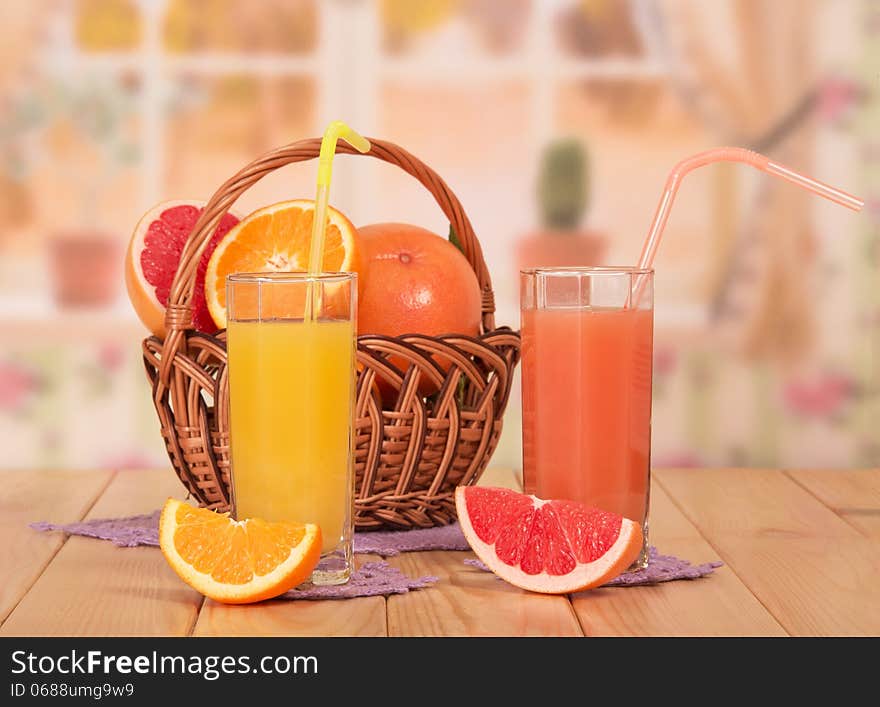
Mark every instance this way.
x=149 y=295
x=282 y=573
x=277 y=238
x=610 y=561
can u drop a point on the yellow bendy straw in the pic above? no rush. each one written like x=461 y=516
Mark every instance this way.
x=337 y=129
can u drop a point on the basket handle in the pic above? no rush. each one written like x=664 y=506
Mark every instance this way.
x=178 y=315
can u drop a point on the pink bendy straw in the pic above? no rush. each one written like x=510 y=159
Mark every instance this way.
x=729 y=154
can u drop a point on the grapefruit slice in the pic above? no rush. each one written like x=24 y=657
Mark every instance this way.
x=236 y=562
x=152 y=257
x=552 y=547
x=277 y=238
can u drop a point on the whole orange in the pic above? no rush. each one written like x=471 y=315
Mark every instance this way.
x=414 y=282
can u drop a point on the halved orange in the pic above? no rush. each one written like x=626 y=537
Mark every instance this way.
x=236 y=562
x=277 y=238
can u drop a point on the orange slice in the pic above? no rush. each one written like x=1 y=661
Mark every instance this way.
x=276 y=238
x=236 y=562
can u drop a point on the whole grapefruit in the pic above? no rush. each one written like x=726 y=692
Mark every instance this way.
x=415 y=282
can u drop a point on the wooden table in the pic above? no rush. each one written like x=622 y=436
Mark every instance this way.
x=800 y=548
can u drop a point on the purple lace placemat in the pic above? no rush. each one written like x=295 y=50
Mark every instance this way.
x=125 y=532
x=144 y=530
x=374 y=578
x=371 y=579
x=661 y=568
x=393 y=542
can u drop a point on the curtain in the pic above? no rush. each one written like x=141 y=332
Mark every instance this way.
x=745 y=67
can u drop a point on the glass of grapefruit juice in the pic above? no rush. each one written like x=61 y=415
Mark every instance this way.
x=587 y=346
x=291 y=405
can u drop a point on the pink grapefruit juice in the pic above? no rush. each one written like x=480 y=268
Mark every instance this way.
x=587 y=406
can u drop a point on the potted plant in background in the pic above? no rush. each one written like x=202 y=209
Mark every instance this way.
x=563 y=197
x=16 y=203
x=40 y=127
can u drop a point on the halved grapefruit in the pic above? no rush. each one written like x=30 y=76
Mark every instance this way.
x=153 y=254
x=552 y=547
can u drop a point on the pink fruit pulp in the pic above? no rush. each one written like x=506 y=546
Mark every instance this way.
x=551 y=536
x=163 y=246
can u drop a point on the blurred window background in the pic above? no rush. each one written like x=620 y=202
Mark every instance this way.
x=767 y=349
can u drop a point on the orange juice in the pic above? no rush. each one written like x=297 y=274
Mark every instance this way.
x=587 y=406
x=290 y=405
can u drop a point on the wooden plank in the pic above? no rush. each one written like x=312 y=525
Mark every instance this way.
x=353 y=617
x=364 y=616
x=467 y=601
x=718 y=605
x=815 y=573
x=854 y=494
x=93 y=588
x=29 y=496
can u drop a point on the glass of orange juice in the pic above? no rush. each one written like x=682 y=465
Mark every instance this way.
x=291 y=404
x=587 y=346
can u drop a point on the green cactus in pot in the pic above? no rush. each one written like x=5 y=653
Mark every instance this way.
x=562 y=192
x=564 y=185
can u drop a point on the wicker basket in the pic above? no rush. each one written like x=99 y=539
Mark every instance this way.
x=409 y=456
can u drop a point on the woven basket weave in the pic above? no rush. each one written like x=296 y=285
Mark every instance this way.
x=410 y=454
